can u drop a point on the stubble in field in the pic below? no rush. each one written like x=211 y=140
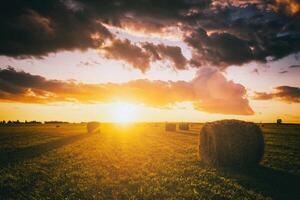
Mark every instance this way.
x=136 y=162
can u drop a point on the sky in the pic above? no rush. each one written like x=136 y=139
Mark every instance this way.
x=147 y=60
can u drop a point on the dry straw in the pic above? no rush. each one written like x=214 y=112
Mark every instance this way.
x=231 y=143
x=170 y=127
x=93 y=127
x=184 y=126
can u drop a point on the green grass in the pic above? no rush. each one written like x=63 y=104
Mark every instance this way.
x=137 y=162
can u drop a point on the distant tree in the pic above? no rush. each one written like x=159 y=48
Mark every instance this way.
x=34 y=122
x=55 y=122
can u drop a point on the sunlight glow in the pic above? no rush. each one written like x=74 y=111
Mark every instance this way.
x=171 y=33
x=124 y=112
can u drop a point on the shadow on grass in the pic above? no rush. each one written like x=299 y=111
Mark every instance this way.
x=22 y=154
x=268 y=181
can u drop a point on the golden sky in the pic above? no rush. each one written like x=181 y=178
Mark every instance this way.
x=134 y=63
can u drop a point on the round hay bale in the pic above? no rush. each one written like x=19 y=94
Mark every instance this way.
x=93 y=127
x=231 y=143
x=184 y=126
x=170 y=127
x=278 y=122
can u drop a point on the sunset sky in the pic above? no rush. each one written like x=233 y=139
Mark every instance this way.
x=150 y=60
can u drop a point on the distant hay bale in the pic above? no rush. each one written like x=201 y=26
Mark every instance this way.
x=184 y=126
x=93 y=127
x=231 y=143
x=170 y=127
x=278 y=122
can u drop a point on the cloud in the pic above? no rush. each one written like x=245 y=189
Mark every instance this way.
x=88 y=63
x=290 y=7
x=220 y=49
x=283 y=72
x=218 y=95
x=221 y=33
x=209 y=91
x=164 y=52
x=283 y=93
x=72 y=22
x=237 y=34
x=141 y=55
x=294 y=66
x=39 y=28
x=255 y=71
x=125 y=50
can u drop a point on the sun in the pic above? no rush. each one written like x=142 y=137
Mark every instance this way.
x=124 y=112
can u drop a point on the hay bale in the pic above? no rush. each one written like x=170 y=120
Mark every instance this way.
x=93 y=127
x=170 y=127
x=231 y=143
x=278 y=122
x=184 y=126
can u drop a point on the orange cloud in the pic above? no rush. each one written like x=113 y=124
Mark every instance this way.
x=209 y=91
x=291 y=7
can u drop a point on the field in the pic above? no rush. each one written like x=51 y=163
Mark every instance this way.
x=139 y=161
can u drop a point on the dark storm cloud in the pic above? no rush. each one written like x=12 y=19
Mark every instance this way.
x=221 y=49
x=283 y=93
x=141 y=56
x=38 y=27
x=35 y=28
x=209 y=91
x=164 y=52
x=125 y=50
x=235 y=34
x=221 y=33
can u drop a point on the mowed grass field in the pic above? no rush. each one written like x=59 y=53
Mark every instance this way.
x=139 y=161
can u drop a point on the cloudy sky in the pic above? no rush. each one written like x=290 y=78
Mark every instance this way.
x=150 y=60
